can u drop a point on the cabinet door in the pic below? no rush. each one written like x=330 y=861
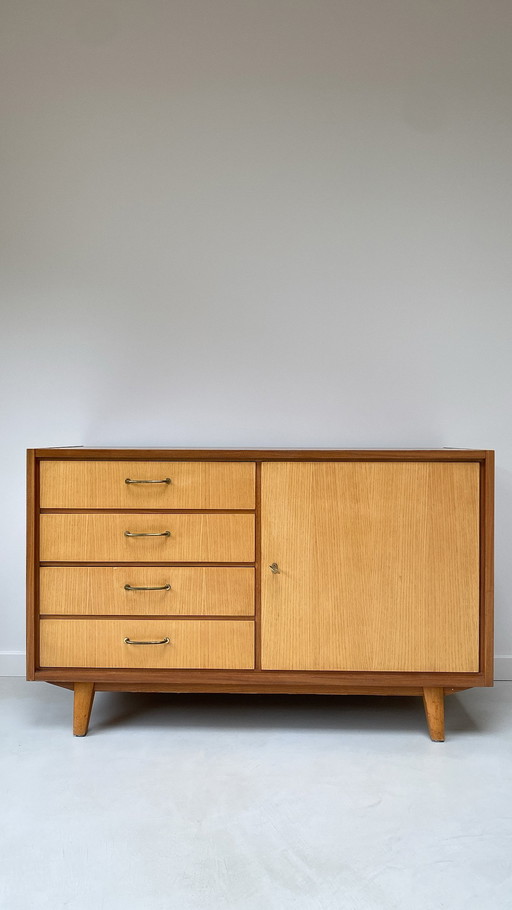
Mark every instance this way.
x=378 y=566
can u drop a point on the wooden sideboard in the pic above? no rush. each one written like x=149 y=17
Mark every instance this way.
x=261 y=571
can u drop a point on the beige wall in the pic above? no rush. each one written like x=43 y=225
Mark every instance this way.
x=255 y=222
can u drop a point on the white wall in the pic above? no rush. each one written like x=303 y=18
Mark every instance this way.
x=255 y=222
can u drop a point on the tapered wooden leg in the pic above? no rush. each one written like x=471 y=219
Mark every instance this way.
x=433 y=699
x=82 y=706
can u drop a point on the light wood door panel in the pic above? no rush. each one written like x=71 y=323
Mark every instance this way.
x=101 y=485
x=100 y=538
x=379 y=566
x=195 y=591
x=198 y=644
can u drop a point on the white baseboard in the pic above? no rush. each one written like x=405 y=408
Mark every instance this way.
x=503 y=667
x=12 y=663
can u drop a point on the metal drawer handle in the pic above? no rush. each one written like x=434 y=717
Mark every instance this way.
x=165 y=480
x=275 y=568
x=147 y=533
x=164 y=641
x=161 y=588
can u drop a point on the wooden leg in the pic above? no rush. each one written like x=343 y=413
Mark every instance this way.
x=433 y=700
x=84 y=696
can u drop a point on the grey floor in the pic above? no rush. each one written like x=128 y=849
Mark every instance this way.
x=252 y=803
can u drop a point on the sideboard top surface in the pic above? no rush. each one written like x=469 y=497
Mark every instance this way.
x=242 y=454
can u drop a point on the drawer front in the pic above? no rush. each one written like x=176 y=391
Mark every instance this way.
x=193 y=644
x=102 y=485
x=193 y=591
x=101 y=538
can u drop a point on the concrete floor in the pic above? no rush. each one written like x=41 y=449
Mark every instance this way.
x=252 y=803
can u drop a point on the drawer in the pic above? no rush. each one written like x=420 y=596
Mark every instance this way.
x=191 y=538
x=102 y=485
x=194 y=591
x=193 y=644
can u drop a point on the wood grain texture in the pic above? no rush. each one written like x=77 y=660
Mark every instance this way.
x=433 y=701
x=196 y=591
x=257 y=593
x=250 y=680
x=32 y=576
x=193 y=643
x=79 y=453
x=101 y=485
x=379 y=567
x=100 y=538
x=487 y=569
x=82 y=707
x=270 y=681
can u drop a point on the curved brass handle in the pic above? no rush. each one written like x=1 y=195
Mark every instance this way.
x=147 y=533
x=128 y=641
x=165 y=480
x=161 y=588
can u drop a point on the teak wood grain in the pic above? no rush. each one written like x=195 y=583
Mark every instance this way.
x=79 y=453
x=487 y=568
x=193 y=590
x=379 y=567
x=102 y=485
x=264 y=681
x=82 y=706
x=32 y=574
x=390 y=570
x=433 y=701
x=100 y=538
x=204 y=643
